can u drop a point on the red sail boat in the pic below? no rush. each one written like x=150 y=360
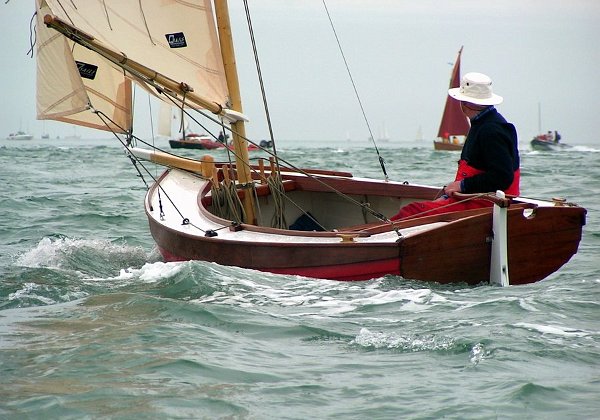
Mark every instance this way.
x=455 y=125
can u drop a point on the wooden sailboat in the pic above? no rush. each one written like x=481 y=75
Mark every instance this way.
x=454 y=125
x=271 y=216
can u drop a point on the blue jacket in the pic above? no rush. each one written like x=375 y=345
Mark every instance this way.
x=491 y=146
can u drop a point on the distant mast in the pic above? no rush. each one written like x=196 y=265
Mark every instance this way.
x=539 y=117
x=454 y=122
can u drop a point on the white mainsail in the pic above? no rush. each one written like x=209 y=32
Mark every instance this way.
x=168 y=116
x=176 y=39
x=165 y=120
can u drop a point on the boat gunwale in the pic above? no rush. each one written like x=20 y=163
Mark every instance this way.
x=363 y=230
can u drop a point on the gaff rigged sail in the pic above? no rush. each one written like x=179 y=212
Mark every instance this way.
x=175 y=39
x=454 y=122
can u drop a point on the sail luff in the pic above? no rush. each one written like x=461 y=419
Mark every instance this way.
x=454 y=122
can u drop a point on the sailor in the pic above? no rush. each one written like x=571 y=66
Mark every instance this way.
x=490 y=156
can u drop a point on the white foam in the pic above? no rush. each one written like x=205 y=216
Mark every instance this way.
x=149 y=272
x=385 y=340
x=29 y=291
x=477 y=353
x=52 y=253
x=527 y=304
x=581 y=148
x=44 y=254
x=553 y=330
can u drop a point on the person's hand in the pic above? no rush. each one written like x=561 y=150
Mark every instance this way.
x=451 y=188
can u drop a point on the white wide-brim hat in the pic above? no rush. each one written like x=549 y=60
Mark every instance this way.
x=476 y=88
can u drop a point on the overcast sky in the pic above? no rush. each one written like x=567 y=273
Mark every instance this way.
x=399 y=52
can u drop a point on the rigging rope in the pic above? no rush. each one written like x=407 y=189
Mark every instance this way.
x=32 y=34
x=226 y=202
x=278 y=193
x=381 y=160
x=377 y=215
x=104 y=118
x=365 y=206
x=173 y=98
x=260 y=80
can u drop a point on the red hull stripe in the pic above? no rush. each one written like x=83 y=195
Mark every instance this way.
x=347 y=272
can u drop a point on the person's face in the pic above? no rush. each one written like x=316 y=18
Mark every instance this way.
x=469 y=109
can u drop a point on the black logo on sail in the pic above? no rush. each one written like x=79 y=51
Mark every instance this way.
x=87 y=71
x=176 y=40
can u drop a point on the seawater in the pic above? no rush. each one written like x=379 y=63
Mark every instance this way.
x=94 y=325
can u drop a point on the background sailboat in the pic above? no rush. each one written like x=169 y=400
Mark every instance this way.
x=20 y=135
x=419 y=135
x=174 y=125
x=454 y=125
x=549 y=140
x=383 y=134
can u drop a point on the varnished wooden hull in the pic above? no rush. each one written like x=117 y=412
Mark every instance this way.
x=439 y=145
x=326 y=261
x=445 y=248
x=538 y=245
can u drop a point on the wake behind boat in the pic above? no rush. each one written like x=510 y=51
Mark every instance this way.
x=272 y=215
x=454 y=125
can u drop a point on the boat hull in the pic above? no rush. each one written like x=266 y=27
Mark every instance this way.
x=449 y=248
x=538 y=245
x=203 y=145
x=324 y=261
x=195 y=144
x=20 y=137
x=439 y=145
x=459 y=253
x=544 y=145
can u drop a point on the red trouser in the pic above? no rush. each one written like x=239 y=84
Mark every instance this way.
x=427 y=208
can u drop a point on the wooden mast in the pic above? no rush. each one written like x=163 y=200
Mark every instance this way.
x=239 y=130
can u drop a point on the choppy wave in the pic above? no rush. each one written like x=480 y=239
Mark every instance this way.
x=83 y=256
x=94 y=324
